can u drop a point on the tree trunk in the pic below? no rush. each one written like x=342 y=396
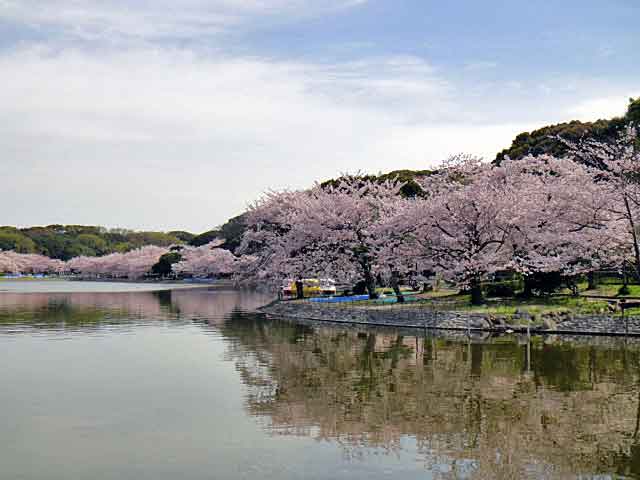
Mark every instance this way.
x=365 y=264
x=299 y=289
x=528 y=287
x=370 y=282
x=592 y=284
x=476 y=292
x=396 y=287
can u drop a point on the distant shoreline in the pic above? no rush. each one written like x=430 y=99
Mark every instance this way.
x=66 y=286
x=225 y=283
x=147 y=280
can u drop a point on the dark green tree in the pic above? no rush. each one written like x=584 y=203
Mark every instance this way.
x=166 y=261
x=12 y=239
x=204 y=238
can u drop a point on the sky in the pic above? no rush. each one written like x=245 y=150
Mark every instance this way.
x=163 y=115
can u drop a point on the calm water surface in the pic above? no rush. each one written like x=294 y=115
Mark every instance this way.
x=189 y=384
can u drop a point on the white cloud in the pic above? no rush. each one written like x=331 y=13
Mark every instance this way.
x=169 y=138
x=115 y=132
x=159 y=18
x=599 y=107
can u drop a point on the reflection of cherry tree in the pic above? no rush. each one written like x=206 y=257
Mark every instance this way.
x=88 y=310
x=466 y=405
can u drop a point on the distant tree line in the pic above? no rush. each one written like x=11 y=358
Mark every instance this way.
x=64 y=242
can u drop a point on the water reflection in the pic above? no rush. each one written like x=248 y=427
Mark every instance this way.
x=499 y=409
x=461 y=408
x=84 y=311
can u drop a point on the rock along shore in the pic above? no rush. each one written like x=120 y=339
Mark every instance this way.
x=409 y=316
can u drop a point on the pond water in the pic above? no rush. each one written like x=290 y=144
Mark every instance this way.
x=191 y=384
x=55 y=285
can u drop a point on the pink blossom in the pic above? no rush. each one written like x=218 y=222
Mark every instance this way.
x=206 y=261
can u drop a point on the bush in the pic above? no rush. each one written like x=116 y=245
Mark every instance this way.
x=502 y=289
x=542 y=283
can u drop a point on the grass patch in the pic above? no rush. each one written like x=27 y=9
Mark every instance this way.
x=539 y=306
x=450 y=299
x=611 y=290
x=534 y=308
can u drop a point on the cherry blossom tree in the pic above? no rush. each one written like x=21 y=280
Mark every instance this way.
x=617 y=171
x=133 y=264
x=463 y=227
x=531 y=216
x=270 y=221
x=12 y=262
x=332 y=230
x=206 y=261
x=561 y=217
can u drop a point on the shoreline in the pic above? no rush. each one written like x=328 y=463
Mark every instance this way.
x=24 y=286
x=444 y=320
x=207 y=283
x=118 y=280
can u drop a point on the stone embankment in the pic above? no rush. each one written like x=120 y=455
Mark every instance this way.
x=409 y=316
